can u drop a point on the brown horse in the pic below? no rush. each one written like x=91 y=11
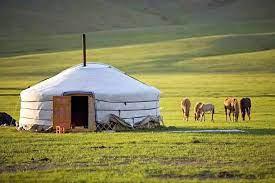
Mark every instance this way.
x=245 y=105
x=185 y=106
x=196 y=110
x=232 y=105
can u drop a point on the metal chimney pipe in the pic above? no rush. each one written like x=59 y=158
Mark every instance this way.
x=84 y=49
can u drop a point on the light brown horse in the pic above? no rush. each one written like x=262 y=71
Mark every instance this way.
x=185 y=106
x=231 y=104
x=196 y=110
x=245 y=104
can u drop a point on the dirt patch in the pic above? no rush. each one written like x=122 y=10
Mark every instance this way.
x=44 y=165
x=179 y=161
x=139 y=142
x=132 y=142
x=115 y=160
x=180 y=143
x=149 y=141
x=170 y=176
x=195 y=141
x=206 y=175
x=34 y=164
x=226 y=174
x=42 y=159
x=26 y=167
x=104 y=147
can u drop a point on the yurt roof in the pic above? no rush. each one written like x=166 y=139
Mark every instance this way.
x=104 y=81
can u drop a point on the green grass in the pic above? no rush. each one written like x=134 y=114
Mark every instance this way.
x=154 y=157
x=203 y=62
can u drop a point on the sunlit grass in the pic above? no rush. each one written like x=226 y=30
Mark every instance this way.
x=206 y=69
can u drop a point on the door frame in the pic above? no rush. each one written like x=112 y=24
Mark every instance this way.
x=91 y=110
x=91 y=107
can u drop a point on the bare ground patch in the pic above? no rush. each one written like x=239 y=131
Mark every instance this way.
x=26 y=167
x=46 y=164
x=206 y=175
x=179 y=161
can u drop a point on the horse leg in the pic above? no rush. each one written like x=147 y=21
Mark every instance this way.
x=225 y=110
x=183 y=114
x=229 y=115
x=197 y=116
x=248 y=113
x=235 y=117
x=243 y=113
x=212 y=119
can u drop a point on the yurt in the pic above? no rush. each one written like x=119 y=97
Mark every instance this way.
x=86 y=96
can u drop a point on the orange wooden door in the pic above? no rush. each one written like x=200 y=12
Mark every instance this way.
x=62 y=111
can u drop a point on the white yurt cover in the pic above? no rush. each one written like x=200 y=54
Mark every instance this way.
x=114 y=92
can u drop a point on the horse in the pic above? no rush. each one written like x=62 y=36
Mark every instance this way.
x=206 y=108
x=231 y=104
x=196 y=108
x=245 y=105
x=185 y=106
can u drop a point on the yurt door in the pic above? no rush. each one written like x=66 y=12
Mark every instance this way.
x=62 y=111
x=83 y=111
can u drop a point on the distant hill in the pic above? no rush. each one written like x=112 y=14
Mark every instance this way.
x=36 y=17
x=32 y=26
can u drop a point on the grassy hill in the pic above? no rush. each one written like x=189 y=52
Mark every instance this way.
x=40 y=26
x=59 y=17
x=203 y=49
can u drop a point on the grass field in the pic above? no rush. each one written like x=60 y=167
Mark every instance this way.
x=203 y=61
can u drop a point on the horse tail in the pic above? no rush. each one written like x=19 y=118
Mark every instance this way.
x=187 y=111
